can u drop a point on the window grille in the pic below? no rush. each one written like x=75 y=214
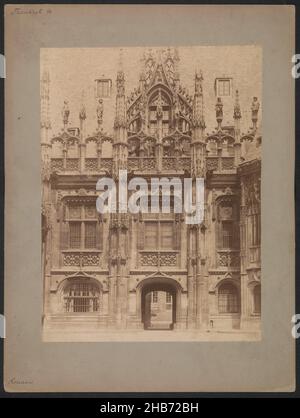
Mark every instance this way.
x=82 y=297
x=90 y=234
x=75 y=234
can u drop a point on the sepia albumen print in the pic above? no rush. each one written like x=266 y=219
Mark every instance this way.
x=156 y=113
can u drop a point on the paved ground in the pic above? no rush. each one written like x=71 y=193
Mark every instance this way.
x=147 y=336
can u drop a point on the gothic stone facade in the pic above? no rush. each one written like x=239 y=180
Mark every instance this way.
x=99 y=270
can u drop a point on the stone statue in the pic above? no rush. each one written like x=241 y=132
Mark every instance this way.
x=121 y=84
x=198 y=83
x=148 y=146
x=99 y=111
x=237 y=109
x=82 y=113
x=219 y=108
x=176 y=112
x=219 y=112
x=142 y=113
x=65 y=113
x=159 y=77
x=159 y=108
x=255 y=108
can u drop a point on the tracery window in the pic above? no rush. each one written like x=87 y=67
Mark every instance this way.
x=81 y=228
x=227 y=226
x=81 y=297
x=159 y=235
x=159 y=108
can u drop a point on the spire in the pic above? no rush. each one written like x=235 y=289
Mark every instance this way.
x=237 y=116
x=176 y=60
x=120 y=151
x=120 y=117
x=65 y=114
x=142 y=80
x=45 y=96
x=198 y=107
x=219 y=113
x=82 y=116
x=237 y=108
x=120 y=63
x=198 y=144
x=120 y=77
x=99 y=112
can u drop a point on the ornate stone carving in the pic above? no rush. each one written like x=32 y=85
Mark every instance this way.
x=227 y=259
x=211 y=164
x=120 y=83
x=148 y=163
x=90 y=260
x=57 y=164
x=46 y=219
x=252 y=191
x=91 y=164
x=65 y=113
x=46 y=170
x=254 y=109
x=99 y=112
x=81 y=259
x=106 y=164
x=228 y=163
x=155 y=259
x=71 y=260
x=169 y=163
x=237 y=109
x=72 y=164
x=168 y=259
x=149 y=259
x=82 y=113
x=219 y=111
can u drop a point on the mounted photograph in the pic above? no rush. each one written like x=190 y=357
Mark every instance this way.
x=169 y=116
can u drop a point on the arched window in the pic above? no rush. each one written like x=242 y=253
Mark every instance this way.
x=159 y=110
x=228 y=225
x=228 y=299
x=257 y=299
x=81 y=297
x=81 y=227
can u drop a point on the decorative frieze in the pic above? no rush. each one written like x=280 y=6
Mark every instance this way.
x=80 y=259
x=148 y=163
x=72 y=164
x=57 y=164
x=228 y=259
x=211 y=164
x=106 y=164
x=168 y=259
x=91 y=164
x=227 y=163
